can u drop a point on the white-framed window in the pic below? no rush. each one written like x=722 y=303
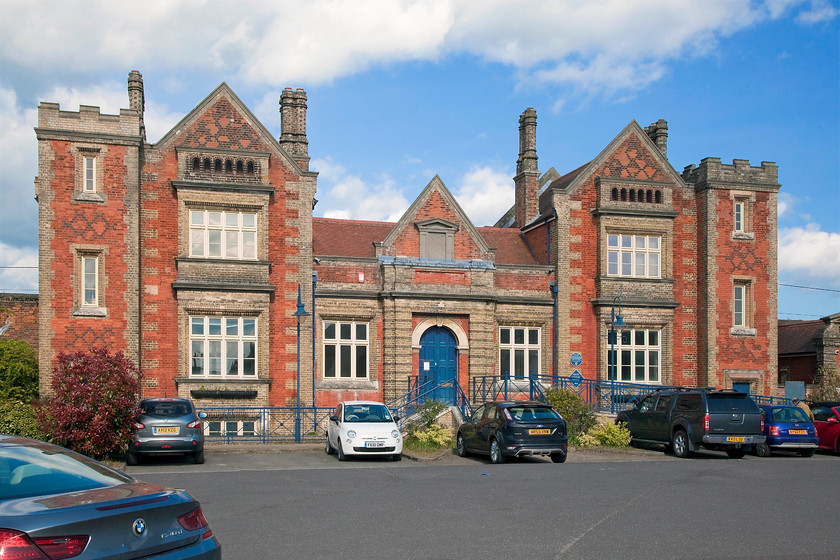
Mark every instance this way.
x=223 y=235
x=89 y=281
x=634 y=256
x=89 y=182
x=740 y=216
x=223 y=346
x=741 y=305
x=519 y=352
x=345 y=350
x=636 y=356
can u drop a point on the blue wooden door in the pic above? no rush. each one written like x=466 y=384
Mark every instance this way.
x=439 y=362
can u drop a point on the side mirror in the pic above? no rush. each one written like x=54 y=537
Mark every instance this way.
x=202 y=415
x=832 y=420
x=334 y=419
x=396 y=419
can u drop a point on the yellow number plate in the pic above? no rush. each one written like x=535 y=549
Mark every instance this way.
x=798 y=432
x=166 y=430
x=540 y=432
x=735 y=439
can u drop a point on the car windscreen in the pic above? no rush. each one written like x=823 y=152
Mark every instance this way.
x=165 y=408
x=531 y=413
x=788 y=414
x=731 y=403
x=366 y=413
x=37 y=471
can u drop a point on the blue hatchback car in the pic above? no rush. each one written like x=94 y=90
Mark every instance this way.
x=787 y=429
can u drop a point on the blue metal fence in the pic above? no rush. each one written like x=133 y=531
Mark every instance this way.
x=243 y=424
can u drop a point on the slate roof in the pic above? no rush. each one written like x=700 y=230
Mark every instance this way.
x=795 y=336
x=354 y=238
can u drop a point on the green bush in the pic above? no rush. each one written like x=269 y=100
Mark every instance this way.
x=606 y=435
x=827 y=387
x=18 y=371
x=20 y=419
x=425 y=434
x=434 y=436
x=577 y=413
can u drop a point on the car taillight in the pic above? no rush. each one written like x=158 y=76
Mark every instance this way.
x=194 y=425
x=194 y=520
x=15 y=545
x=507 y=415
x=762 y=422
x=138 y=426
x=706 y=423
x=774 y=431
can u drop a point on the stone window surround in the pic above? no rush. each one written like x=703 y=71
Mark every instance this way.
x=666 y=250
x=747 y=328
x=91 y=251
x=189 y=309
x=437 y=227
x=81 y=152
x=748 y=200
x=660 y=321
x=227 y=203
x=374 y=353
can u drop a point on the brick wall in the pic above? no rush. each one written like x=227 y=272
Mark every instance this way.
x=22 y=315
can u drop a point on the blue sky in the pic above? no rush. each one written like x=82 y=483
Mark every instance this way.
x=399 y=91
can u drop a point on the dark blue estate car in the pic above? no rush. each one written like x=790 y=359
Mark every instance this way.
x=787 y=429
x=514 y=429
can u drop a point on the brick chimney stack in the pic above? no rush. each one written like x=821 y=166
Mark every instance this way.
x=137 y=98
x=293 y=125
x=658 y=132
x=527 y=179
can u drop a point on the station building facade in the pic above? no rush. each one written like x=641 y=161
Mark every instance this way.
x=199 y=257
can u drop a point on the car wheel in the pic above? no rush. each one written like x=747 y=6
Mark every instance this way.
x=736 y=452
x=679 y=443
x=558 y=457
x=496 y=456
x=807 y=452
x=339 y=451
x=762 y=449
x=329 y=448
x=198 y=457
x=131 y=458
x=460 y=448
x=396 y=457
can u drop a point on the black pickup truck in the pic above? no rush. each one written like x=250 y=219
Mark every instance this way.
x=685 y=419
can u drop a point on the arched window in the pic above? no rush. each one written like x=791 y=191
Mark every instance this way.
x=239 y=168
x=218 y=166
x=207 y=167
x=632 y=195
x=650 y=196
x=250 y=168
x=658 y=197
x=614 y=194
x=196 y=165
x=624 y=195
x=228 y=166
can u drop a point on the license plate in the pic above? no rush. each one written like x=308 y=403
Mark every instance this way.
x=374 y=444
x=735 y=439
x=539 y=432
x=798 y=432
x=158 y=431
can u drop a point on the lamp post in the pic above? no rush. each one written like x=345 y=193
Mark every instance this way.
x=615 y=321
x=301 y=312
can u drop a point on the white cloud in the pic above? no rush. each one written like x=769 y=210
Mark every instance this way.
x=18 y=269
x=820 y=11
x=810 y=254
x=19 y=212
x=485 y=194
x=348 y=196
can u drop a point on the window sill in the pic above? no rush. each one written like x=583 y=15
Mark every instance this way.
x=88 y=197
x=90 y=312
x=742 y=331
x=744 y=236
x=347 y=384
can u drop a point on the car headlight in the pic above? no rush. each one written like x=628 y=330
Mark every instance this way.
x=395 y=434
x=351 y=433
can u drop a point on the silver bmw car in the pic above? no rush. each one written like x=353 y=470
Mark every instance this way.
x=55 y=503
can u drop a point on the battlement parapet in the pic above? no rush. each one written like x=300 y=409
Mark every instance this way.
x=87 y=120
x=712 y=172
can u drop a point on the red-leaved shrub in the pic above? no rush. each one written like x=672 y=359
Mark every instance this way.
x=94 y=402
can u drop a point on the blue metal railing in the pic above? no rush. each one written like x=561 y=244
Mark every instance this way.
x=422 y=388
x=235 y=424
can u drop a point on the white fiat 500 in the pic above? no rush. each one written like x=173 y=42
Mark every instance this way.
x=363 y=428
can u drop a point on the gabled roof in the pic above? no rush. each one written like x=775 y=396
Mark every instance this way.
x=224 y=92
x=410 y=216
x=356 y=239
x=795 y=337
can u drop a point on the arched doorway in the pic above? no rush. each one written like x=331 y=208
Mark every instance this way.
x=439 y=361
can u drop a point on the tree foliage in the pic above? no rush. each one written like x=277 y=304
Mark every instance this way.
x=827 y=387
x=20 y=419
x=94 y=403
x=18 y=371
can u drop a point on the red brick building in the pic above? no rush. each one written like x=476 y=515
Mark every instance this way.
x=188 y=255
